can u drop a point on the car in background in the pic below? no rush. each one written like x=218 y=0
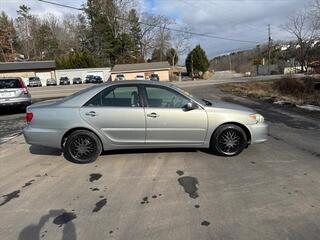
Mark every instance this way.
x=77 y=80
x=141 y=114
x=120 y=77
x=51 y=82
x=14 y=93
x=88 y=78
x=154 y=77
x=34 y=82
x=140 y=77
x=97 y=79
x=64 y=81
x=94 y=79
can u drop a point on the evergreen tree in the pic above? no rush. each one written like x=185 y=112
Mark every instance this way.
x=135 y=34
x=103 y=30
x=197 y=61
x=82 y=59
x=46 y=42
x=8 y=38
x=156 y=55
x=172 y=56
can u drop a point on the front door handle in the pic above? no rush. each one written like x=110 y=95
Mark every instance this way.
x=91 y=114
x=153 y=115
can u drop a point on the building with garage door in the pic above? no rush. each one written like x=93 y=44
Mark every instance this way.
x=82 y=73
x=132 y=71
x=42 y=69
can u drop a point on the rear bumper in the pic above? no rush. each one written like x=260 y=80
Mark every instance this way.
x=259 y=133
x=34 y=84
x=42 y=137
x=18 y=102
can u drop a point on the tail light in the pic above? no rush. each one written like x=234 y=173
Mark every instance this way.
x=29 y=116
x=23 y=86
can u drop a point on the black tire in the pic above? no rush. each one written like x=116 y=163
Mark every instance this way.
x=229 y=140
x=82 y=146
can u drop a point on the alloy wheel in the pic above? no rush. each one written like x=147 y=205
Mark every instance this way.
x=230 y=141
x=83 y=147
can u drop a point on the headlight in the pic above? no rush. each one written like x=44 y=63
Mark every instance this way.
x=257 y=117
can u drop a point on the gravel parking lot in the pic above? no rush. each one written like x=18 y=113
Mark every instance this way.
x=270 y=191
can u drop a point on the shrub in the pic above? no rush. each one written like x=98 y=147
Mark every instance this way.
x=293 y=86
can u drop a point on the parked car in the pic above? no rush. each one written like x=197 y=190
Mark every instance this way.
x=77 y=80
x=120 y=77
x=64 y=81
x=51 y=82
x=14 y=93
x=34 y=82
x=89 y=78
x=97 y=79
x=94 y=79
x=154 y=77
x=140 y=114
x=140 y=77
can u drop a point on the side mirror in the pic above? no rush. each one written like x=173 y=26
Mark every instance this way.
x=190 y=106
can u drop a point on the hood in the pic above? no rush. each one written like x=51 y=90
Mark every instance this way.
x=230 y=106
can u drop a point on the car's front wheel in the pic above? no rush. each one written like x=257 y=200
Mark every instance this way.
x=229 y=140
x=82 y=146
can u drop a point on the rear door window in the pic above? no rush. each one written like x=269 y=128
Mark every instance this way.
x=122 y=96
x=9 y=83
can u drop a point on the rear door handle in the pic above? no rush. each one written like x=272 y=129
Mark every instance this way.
x=153 y=115
x=91 y=114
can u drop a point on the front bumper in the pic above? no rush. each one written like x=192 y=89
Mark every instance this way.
x=259 y=132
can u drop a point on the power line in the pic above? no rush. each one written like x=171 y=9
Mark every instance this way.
x=61 y=5
x=168 y=28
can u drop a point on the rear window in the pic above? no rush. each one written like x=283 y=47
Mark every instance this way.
x=9 y=83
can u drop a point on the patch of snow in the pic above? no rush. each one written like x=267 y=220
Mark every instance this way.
x=309 y=107
x=281 y=102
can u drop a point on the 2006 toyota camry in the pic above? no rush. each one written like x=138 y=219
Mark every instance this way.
x=140 y=114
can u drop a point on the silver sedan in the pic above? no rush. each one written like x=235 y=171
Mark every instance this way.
x=140 y=114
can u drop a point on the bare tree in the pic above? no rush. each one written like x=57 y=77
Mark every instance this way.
x=149 y=33
x=164 y=36
x=181 y=43
x=304 y=28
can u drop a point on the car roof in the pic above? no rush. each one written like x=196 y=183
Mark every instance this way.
x=5 y=78
x=148 y=82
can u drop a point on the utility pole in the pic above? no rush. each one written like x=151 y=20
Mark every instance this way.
x=269 y=48
x=191 y=66
x=230 y=62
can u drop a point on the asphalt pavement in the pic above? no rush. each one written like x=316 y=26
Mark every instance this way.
x=270 y=191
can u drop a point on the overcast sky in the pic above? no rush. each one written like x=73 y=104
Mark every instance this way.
x=237 y=19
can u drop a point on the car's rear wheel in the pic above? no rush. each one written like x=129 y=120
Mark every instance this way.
x=229 y=140
x=82 y=146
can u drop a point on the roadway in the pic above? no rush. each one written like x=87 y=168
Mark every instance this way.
x=270 y=191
